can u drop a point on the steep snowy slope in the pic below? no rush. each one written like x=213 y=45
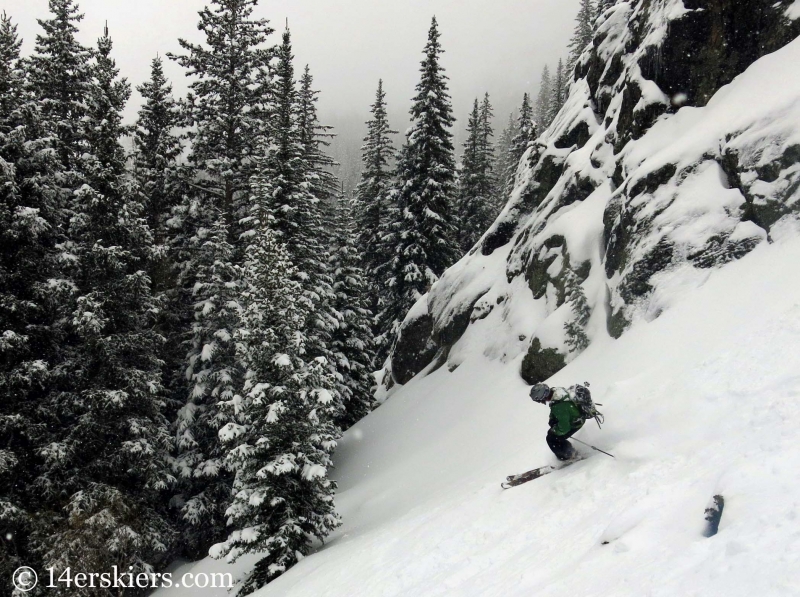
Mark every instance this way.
x=705 y=400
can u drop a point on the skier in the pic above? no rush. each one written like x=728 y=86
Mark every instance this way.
x=569 y=410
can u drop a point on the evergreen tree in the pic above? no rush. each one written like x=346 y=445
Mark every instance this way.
x=372 y=196
x=226 y=106
x=157 y=150
x=286 y=176
x=314 y=137
x=162 y=182
x=575 y=328
x=225 y=112
x=352 y=344
x=542 y=111
x=488 y=160
x=215 y=375
x=426 y=243
x=283 y=434
x=31 y=227
x=506 y=167
x=61 y=76
x=526 y=134
x=319 y=217
x=558 y=91
x=584 y=30
x=108 y=464
x=475 y=183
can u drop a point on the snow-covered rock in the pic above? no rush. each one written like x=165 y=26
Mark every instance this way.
x=676 y=152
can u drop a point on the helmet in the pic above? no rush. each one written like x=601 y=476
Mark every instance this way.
x=540 y=392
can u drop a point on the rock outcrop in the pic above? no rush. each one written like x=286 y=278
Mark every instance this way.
x=668 y=159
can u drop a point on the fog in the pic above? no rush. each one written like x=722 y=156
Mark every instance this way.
x=498 y=46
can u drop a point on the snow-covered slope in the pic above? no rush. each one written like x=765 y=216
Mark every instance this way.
x=705 y=400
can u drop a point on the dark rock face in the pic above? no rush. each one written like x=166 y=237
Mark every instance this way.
x=414 y=350
x=713 y=43
x=540 y=363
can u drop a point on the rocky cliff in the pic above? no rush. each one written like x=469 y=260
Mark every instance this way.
x=669 y=159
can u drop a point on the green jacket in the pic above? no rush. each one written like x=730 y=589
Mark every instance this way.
x=565 y=417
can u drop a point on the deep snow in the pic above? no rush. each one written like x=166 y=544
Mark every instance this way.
x=703 y=400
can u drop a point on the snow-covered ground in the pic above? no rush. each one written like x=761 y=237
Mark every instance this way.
x=704 y=400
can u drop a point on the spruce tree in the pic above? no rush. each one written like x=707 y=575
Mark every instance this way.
x=31 y=287
x=225 y=112
x=584 y=30
x=488 y=158
x=474 y=208
x=60 y=75
x=314 y=138
x=558 y=91
x=352 y=344
x=283 y=431
x=157 y=149
x=527 y=131
x=226 y=106
x=215 y=375
x=162 y=182
x=506 y=167
x=575 y=328
x=425 y=232
x=108 y=462
x=372 y=197
x=542 y=110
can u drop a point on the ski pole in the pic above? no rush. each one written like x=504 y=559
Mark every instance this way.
x=592 y=447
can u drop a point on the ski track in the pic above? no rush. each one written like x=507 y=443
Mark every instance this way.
x=703 y=400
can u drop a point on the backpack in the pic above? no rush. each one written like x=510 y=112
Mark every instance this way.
x=582 y=397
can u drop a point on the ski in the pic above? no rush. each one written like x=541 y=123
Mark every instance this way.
x=514 y=480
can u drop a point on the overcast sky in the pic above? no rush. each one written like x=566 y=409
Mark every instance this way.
x=499 y=46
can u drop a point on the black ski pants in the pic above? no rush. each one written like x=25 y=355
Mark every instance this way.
x=560 y=446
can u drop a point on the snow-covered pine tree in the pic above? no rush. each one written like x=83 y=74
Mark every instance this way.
x=506 y=167
x=284 y=433
x=558 y=91
x=542 y=110
x=372 y=197
x=162 y=182
x=225 y=112
x=215 y=375
x=352 y=344
x=108 y=463
x=473 y=203
x=60 y=76
x=488 y=157
x=526 y=133
x=30 y=287
x=425 y=192
x=584 y=30
x=575 y=328
x=227 y=102
x=280 y=166
x=291 y=164
x=319 y=220
x=157 y=149
x=314 y=138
